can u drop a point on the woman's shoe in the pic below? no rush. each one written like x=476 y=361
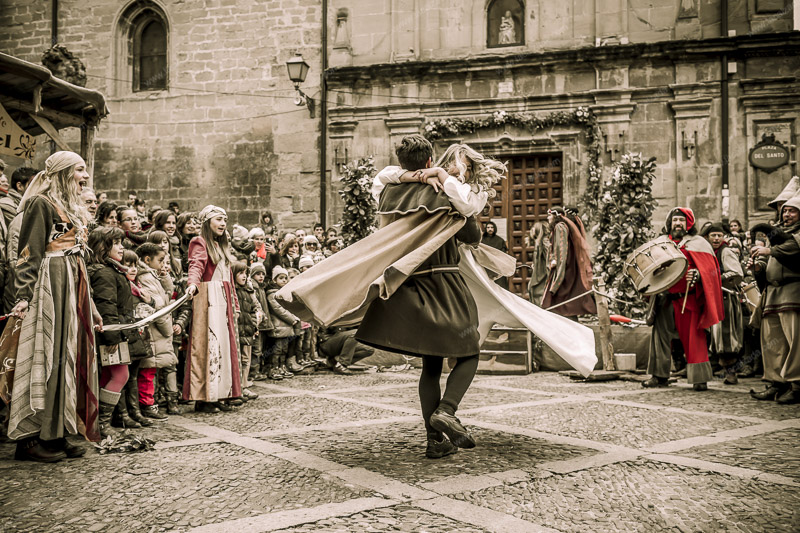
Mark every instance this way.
x=223 y=406
x=205 y=407
x=438 y=449
x=31 y=449
x=451 y=426
x=699 y=387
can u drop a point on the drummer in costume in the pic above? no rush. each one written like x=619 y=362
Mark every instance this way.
x=212 y=364
x=570 y=266
x=687 y=308
x=727 y=336
x=780 y=308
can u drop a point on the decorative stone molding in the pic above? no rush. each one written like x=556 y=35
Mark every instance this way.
x=342 y=129
x=691 y=108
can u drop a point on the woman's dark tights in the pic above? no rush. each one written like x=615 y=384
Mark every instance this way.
x=459 y=380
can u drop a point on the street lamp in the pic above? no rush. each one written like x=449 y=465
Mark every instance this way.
x=298 y=70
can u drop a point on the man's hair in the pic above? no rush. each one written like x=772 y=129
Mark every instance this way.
x=414 y=152
x=150 y=250
x=22 y=175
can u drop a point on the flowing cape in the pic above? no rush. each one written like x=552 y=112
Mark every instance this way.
x=704 y=259
x=338 y=290
x=571 y=340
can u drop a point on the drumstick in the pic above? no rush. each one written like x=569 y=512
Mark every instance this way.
x=686 y=295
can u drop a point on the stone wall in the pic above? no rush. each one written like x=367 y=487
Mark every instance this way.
x=651 y=72
x=226 y=130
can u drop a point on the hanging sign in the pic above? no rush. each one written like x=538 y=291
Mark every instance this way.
x=769 y=155
x=14 y=141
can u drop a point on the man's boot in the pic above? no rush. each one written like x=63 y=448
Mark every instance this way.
x=291 y=364
x=31 y=449
x=730 y=376
x=132 y=401
x=151 y=411
x=655 y=381
x=172 y=404
x=285 y=371
x=439 y=446
x=108 y=400
x=121 y=418
x=770 y=393
x=791 y=396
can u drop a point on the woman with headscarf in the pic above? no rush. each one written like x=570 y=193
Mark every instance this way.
x=540 y=243
x=212 y=363
x=570 y=266
x=55 y=389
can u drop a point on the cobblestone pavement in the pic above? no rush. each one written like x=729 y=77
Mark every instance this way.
x=328 y=453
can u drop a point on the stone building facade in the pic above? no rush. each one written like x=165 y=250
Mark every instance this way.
x=205 y=114
x=652 y=73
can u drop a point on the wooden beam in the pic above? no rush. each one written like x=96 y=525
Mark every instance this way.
x=606 y=348
x=60 y=118
x=50 y=130
x=87 y=149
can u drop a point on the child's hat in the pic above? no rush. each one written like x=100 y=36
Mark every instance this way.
x=257 y=267
x=277 y=271
x=310 y=239
x=306 y=261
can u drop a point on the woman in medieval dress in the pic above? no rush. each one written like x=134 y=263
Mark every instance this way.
x=55 y=381
x=212 y=363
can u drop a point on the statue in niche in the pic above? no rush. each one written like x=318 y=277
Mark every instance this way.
x=688 y=9
x=507 y=34
x=505 y=23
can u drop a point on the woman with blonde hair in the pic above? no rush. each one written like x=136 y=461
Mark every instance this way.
x=212 y=362
x=55 y=388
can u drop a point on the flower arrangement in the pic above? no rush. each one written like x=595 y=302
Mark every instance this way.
x=451 y=127
x=360 y=210
x=625 y=209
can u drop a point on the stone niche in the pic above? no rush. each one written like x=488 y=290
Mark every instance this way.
x=505 y=21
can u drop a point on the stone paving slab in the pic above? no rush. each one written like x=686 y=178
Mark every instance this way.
x=403 y=517
x=475 y=397
x=556 y=383
x=168 y=490
x=283 y=412
x=616 y=424
x=326 y=381
x=716 y=401
x=645 y=496
x=775 y=453
x=398 y=451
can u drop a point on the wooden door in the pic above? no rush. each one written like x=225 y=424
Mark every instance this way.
x=533 y=186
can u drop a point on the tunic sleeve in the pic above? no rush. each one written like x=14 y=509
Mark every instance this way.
x=560 y=250
x=467 y=202
x=788 y=253
x=732 y=272
x=198 y=259
x=37 y=223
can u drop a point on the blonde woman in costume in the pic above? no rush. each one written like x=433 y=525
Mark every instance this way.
x=212 y=363
x=55 y=389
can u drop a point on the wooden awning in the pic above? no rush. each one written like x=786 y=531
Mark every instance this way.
x=28 y=89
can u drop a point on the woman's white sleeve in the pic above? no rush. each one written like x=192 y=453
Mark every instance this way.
x=466 y=202
x=390 y=174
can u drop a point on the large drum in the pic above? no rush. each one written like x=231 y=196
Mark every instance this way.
x=752 y=296
x=656 y=266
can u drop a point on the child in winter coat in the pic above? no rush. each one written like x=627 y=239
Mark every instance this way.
x=157 y=288
x=286 y=328
x=249 y=316
x=261 y=347
x=112 y=296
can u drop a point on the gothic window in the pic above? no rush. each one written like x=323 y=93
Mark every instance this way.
x=142 y=48
x=150 y=57
x=505 y=23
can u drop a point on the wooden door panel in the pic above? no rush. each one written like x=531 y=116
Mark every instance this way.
x=534 y=185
